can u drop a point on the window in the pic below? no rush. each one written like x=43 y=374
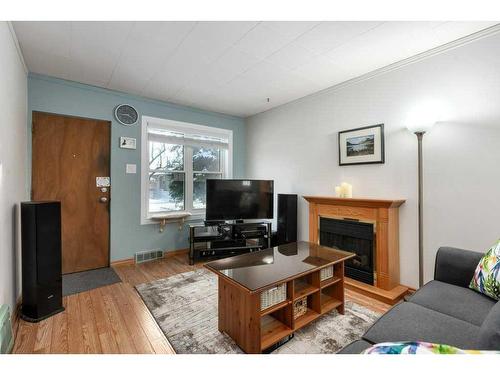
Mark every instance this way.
x=177 y=160
x=166 y=177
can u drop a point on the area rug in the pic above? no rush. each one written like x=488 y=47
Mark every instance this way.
x=87 y=280
x=185 y=308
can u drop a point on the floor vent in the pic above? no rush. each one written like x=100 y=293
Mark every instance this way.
x=147 y=255
x=6 y=337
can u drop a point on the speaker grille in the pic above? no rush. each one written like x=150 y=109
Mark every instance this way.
x=287 y=218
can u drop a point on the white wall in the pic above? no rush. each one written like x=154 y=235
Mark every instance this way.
x=296 y=145
x=13 y=150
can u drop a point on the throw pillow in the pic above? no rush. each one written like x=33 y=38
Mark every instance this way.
x=486 y=278
x=419 y=347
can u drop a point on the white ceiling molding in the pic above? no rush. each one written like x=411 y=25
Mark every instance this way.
x=18 y=47
x=400 y=64
x=236 y=68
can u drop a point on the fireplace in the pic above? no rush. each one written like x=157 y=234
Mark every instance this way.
x=368 y=227
x=355 y=236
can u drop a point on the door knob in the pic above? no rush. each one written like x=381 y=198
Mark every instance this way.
x=103 y=199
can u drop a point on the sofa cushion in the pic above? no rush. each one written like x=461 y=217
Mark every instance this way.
x=355 y=347
x=486 y=278
x=461 y=303
x=456 y=266
x=489 y=334
x=408 y=321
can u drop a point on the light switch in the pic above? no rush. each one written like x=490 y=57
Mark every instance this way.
x=131 y=168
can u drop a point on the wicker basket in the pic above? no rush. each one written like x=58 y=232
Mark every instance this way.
x=299 y=307
x=326 y=273
x=273 y=296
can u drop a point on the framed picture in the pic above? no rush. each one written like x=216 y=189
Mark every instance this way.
x=362 y=145
x=129 y=143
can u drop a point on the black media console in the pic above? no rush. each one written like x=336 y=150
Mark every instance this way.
x=209 y=241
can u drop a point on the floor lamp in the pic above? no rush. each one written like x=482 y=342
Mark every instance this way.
x=419 y=125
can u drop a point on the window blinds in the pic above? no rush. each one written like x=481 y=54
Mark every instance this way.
x=187 y=138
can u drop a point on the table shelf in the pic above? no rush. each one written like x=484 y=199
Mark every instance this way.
x=274 y=308
x=272 y=330
x=305 y=319
x=303 y=289
x=330 y=281
x=329 y=303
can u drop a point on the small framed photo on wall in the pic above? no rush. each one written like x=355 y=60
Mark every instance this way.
x=128 y=143
x=362 y=145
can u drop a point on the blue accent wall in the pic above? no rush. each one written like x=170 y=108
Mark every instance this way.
x=47 y=94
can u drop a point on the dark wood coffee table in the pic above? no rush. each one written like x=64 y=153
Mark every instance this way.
x=243 y=278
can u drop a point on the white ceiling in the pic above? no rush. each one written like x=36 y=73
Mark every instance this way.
x=228 y=67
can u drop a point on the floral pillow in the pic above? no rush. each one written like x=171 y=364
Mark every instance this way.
x=486 y=278
x=418 y=347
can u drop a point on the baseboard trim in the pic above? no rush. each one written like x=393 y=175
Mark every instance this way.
x=167 y=254
x=122 y=262
x=410 y=290
x=173 y=253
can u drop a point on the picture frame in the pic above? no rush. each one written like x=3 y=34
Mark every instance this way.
x=363 y=145
x=128 y=143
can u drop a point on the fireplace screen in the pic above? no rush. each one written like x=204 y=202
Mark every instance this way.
x=353 y=236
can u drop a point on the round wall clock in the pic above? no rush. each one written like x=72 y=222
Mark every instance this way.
x=126 y=114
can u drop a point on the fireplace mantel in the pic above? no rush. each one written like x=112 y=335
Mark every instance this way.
x=355 y=202
x=384 y=213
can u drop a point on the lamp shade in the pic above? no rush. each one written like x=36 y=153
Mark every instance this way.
x=423 y=116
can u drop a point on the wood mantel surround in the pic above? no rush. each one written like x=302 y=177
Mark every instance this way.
x=384 y=214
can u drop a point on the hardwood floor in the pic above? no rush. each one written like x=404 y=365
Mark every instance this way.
x=113 y=319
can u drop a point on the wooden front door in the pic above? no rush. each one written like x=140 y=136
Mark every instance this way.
x=68 y=153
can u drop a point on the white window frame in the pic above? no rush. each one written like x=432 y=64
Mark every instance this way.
x=226 y=159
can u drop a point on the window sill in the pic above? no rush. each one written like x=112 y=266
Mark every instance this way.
x=174 y=217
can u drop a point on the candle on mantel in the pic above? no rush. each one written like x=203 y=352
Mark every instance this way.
x=338 y=191
x=346 y=190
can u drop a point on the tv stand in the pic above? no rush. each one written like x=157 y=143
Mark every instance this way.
x=215 y=240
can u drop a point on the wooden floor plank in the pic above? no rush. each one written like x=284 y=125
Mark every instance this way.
x=89 y=327
x=114 y=319
x=162 y=346
x=25 y=338
x=75 y=328
x=104 y=329
x=137 y=334
x=118 y=327
x=156 y=337
x=43 y=336
x=59 y=339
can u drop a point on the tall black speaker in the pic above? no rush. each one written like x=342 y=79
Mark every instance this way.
x=287 y=218
x=41 y=260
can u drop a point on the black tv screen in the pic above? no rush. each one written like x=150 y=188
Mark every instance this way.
x=239 y=199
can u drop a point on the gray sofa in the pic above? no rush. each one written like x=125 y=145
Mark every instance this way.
x=443 y=311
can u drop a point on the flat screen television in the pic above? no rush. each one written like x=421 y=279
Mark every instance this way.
x=239 y=199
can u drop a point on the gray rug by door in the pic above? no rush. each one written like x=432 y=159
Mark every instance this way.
x=185 y=308
x=87 y=280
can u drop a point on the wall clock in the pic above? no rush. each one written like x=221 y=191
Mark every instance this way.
x=126 y=114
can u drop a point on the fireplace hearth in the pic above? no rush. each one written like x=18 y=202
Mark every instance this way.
x=354 y=236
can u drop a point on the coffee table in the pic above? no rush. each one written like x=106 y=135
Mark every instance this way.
x=297 y=266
